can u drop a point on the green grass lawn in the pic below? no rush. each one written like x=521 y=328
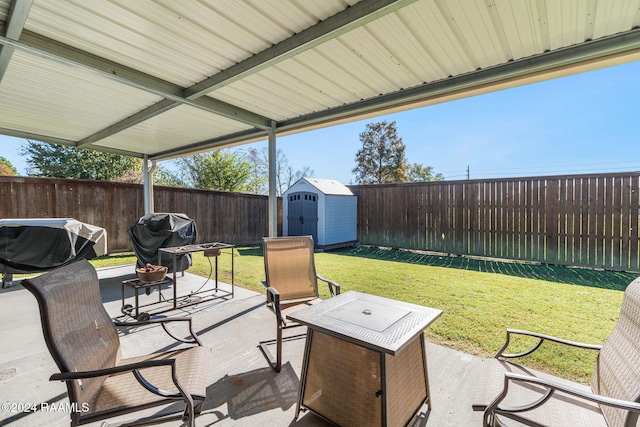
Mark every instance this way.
x=479 y=298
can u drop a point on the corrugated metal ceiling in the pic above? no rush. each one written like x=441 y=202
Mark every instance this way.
x=165 y=78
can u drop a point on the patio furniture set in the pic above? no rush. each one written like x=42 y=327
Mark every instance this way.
x=364 y=361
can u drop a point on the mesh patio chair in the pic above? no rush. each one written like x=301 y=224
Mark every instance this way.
x=292 y=284
x=84 y=343
x=507 y=391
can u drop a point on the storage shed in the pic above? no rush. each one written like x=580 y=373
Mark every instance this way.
x=322 y=208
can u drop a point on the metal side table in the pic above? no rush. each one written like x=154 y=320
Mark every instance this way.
x=364 y=361
x=210 y=249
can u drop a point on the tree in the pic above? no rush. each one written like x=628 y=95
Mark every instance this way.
x=6 y=168
x=218 y=170
x=419 y=173
x=58 y=161
x=163 y=176
x=286 y=175
x=260 y=170
x=381 y=158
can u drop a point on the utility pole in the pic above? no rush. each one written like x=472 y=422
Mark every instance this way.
x=468 y=175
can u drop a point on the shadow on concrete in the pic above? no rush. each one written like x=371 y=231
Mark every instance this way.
x=253 y=392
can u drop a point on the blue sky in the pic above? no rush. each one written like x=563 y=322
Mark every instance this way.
x=586 y=123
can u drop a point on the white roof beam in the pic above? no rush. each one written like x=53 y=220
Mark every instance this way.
x=18 y=13
x=332 y=27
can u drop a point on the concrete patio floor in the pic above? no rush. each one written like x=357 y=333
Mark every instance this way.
x=243 y=390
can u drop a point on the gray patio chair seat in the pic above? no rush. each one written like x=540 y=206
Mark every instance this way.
x=508 y=392
x=84 y=343
x=291 y=284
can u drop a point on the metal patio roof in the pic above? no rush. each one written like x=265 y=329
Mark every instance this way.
x=166 y=78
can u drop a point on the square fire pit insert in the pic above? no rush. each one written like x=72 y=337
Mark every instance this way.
x=367 y=314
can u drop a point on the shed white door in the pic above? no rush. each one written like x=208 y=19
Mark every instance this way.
x=302 y=218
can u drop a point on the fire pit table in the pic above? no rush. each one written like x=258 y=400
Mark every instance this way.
x=364 y=361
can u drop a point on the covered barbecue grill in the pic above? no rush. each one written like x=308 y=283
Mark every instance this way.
x=161 y=230
x=30 y=245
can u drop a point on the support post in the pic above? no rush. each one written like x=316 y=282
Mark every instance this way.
x=273 y=197
x=147 y=184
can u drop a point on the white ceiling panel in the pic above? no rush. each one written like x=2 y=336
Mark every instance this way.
x=183 y=125
x=4 y=9
x=522 y=23
x=437 y=38
x=45 y=97
x=144 y=38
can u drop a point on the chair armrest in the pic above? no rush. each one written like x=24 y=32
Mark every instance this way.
x=273 y=302
x=133 y=368
x=78 y=375
x=163 y=323
x=551 y=387
x=334 y=288
x=541 y=339
x=272 y=293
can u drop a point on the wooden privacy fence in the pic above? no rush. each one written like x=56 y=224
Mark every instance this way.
x=572 y=220
x=219 y=216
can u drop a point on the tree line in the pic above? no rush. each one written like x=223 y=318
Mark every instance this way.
x=381 y=159
x=243 y=171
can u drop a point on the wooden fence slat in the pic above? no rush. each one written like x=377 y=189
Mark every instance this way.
x=634 y=236
x=602 y=244
x=493 y=219
x=537 y=251
x=457 y=226
x=575 y=225
x=615 y=229
x=481 y=245
x=562 y=221
x=551 y=221
x=502 y=202
x=625 y=222
x=592 y=217
x=472 y=217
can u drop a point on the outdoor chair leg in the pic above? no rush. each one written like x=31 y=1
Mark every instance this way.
x=278 y=366
x=274 y=362
x=189 y=416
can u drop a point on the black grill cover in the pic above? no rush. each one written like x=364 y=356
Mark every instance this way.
x=39 y=244
x=163 y=230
